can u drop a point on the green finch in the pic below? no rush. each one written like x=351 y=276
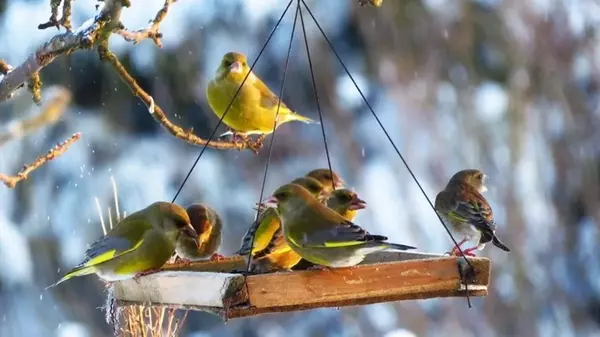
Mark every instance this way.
x=328 y=180
x=207 y=223
x=254 y=108
x=268 y=220
x=462 y=205
x=138 y=245
x=319 y=234
x=346 y=203
x=280 y=256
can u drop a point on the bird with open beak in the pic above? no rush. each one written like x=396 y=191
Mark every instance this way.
x=319 y=234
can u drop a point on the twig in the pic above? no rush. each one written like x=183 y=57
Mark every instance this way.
x=156 y=111
x=52 y=22
x=150 y=32
x=49 y=114
x=11 y=181
x=84 y=37
x=179 y=324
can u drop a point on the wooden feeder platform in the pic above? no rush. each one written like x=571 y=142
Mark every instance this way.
x=383 y=277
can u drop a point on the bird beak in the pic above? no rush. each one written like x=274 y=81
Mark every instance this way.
x=357 y=204
x=259 y=206
x=191 y=232
x=235 y=67
x=271 y=202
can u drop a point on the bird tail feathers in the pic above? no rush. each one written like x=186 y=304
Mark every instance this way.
x=77 y=271
x=300 y=118
x=397 y=246
x=499 y=244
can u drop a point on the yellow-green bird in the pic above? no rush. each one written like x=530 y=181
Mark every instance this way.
x=325 y=177
x=279 y=256
x=138 y=245
x=268 y=220
x=207 y=223
x=319 y=234
x=346 y=203
x=462 y=206
x=255 y=107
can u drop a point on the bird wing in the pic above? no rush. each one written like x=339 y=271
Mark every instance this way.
x=268 y=99
x=262 y=227
x=121 y=240
x=470 y=206
x=343 y=234
x=276 y=245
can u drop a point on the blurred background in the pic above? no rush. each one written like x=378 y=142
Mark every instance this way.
x=510 y=87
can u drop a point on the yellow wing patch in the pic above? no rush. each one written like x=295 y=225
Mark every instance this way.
x=342 y=244
x=109 y=255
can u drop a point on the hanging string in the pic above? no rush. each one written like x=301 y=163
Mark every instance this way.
x=262 y=189
x=231 y=102
x=314 y=85
x=386 y=134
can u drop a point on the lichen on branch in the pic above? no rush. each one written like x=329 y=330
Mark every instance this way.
x=83 y=37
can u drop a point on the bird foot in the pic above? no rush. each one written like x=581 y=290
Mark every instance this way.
x=182 y=260
x=217 y=257
x=466 y=252
x=137 y=276
x=319 y=267
x=255 y=145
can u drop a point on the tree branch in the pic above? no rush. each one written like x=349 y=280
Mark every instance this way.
x=157 y=113
x=49 y=114
x=150 y=32
x=83 y=38
x=11 y=181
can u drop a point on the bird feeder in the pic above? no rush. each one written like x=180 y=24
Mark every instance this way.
x=383 y=277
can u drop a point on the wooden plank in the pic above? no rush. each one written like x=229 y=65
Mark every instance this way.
x=183 y=288
x=227 y=265
x=359 y=285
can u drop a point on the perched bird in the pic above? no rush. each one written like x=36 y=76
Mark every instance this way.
x=328 y=180
x=255 y=107
x=462 y=205
x=268 y=220
x=346 y=203
x=138 y=245
x=278 y=253
x=319 y=234
x=208 y=225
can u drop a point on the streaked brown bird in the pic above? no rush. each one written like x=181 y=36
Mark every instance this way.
x=462 y=206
